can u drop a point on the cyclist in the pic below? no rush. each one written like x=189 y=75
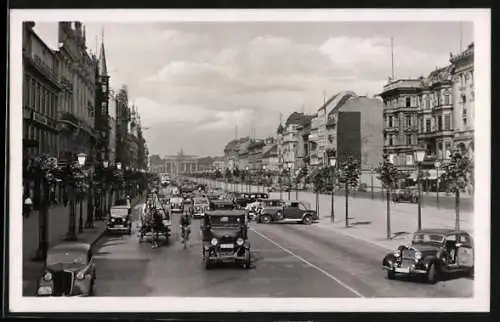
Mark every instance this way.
x=157 y=224
x=186 y=225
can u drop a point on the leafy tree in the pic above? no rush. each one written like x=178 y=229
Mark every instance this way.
x=349 y=173
x=457 y=174
x=389 y=175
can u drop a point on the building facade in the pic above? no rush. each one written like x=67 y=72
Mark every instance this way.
x=41 y=88
x=76 y=108
x=463 y=99
x=401 y=110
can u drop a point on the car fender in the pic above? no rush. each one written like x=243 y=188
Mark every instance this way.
x=428 y=260
x=389 y=258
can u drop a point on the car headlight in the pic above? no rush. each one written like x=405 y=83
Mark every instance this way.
x=80 y=275
x=240 y=241
x=418 y=256
x=112 y=219
x=214 y=241
x=47 y=276
x=397 y=253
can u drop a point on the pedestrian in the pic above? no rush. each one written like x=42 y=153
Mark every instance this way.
x=27 y=205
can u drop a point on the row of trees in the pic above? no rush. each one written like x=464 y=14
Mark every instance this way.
x=456 y=174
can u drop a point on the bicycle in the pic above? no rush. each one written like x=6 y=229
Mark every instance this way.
x=185 y=235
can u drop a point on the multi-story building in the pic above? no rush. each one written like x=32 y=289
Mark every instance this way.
x=76 y=108
x=357 y=130
x=463 y=99
x=323 y=137
x=232 y=153
x=41 y=88
x=218 y=164
x=255 y=149
x=401 y=109
x=289 y=140
x=435 y=131
x=269 y=155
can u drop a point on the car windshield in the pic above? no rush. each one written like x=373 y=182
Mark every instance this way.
x=428 y=238
x=121 y=202
x=201 y=201
x=225 y=220
x=66 y=257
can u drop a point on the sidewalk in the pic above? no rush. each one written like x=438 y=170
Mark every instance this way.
x=59 y=221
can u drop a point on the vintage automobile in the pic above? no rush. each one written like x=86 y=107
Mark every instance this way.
x=69 y=271
x=177 y=204
x=291 y=210
x=225 y=238
x=405 y=195
x=222 y=204
x=432 y=253
x=201 y=206
x=119 y=219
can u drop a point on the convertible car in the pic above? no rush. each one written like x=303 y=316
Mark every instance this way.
x=432 y=253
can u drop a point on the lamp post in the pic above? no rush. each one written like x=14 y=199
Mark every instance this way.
x=419 y=157
x=247 y=177
x=371 y=183
x=118 y=191
x=333 y=163
x=105 y=178
x=42 y=186
x=264 y=178
x=289 y=166
x=437 y=164
x=81 y=162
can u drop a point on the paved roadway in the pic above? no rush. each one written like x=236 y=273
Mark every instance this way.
x=290 y=260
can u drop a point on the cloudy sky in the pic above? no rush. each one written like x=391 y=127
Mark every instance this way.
x=194 y=83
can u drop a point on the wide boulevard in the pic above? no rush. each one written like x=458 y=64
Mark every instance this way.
x=289 y=260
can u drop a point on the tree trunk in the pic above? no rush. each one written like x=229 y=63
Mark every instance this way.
x=72 y=215
x=457 y=209
x=317 y=202
x=346 y=204
x=388 y=196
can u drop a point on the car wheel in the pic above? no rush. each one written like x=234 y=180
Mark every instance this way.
x=470 y=273
x=432 y=274
x=248 y=259
x=307 y=220
x=92 y=287
x=266 y=219
x=391 y=275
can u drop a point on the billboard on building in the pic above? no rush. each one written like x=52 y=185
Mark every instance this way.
x=349 y=136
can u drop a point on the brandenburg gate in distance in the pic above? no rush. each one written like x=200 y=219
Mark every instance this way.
x=177 y=164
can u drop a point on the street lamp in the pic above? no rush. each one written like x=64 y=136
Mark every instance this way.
x=247 y=179
x=81 y=162
x=371 y=183
x=107 y=199
x=333 y=163
x=419 y=157
x=437 y=164
x=264 y=178
x=289 y=166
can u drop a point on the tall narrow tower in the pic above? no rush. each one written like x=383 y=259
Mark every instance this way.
x=102 y=102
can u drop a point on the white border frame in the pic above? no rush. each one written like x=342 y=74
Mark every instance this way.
x=479 y=303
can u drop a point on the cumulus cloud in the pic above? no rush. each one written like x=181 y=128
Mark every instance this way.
x=203 y=83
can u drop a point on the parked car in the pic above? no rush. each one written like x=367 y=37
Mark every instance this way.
x=432 y=253
x=405 y=195
x=69 y=271
x=225 y=238
x=245 y=198
x=119 y=218
x=291 y=210
x=201 y=206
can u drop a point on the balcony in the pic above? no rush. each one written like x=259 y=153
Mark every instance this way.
x=391 y=129
x=66 y=83
x=411 y=129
